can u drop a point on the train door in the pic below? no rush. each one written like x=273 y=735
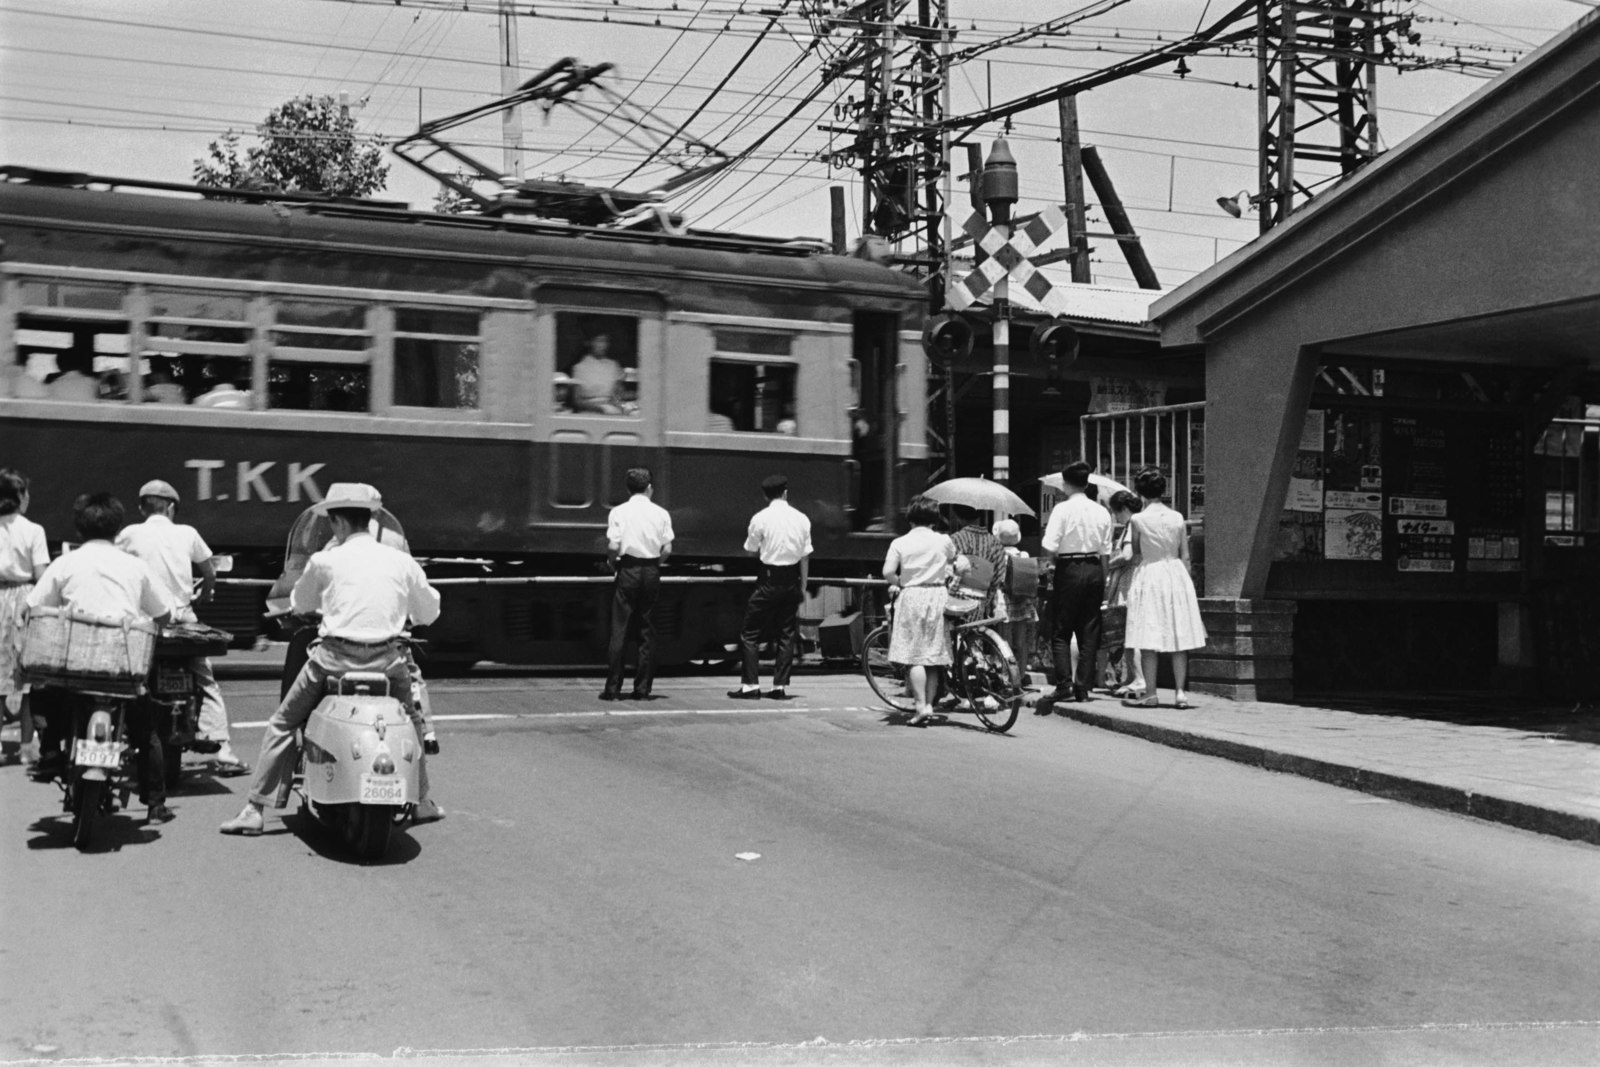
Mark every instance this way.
x=874 y=421
x=603 y=352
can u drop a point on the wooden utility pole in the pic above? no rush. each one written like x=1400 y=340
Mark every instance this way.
x=1117 y=216
x=1072 y=176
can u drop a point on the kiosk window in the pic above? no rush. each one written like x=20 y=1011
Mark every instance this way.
x=435 y=358
x=597 y=363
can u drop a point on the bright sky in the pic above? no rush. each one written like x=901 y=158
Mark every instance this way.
x=137 y=90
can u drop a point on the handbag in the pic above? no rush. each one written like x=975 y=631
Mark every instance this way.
x=969 y=591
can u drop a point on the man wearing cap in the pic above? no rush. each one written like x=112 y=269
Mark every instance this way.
x=638 y=541
x=780 y=536
x=365 y=592
x=174 y=552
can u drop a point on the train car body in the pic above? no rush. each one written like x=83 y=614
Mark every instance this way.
x=494 y=379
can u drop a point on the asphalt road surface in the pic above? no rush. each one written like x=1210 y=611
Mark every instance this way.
x=1060 y=894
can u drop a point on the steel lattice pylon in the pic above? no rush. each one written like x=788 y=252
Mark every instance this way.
x=893 y=135
x=1317 y=89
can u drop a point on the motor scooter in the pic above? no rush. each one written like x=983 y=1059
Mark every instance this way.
x=360 y=762
x=174 y=691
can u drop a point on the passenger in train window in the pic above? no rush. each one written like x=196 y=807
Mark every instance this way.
x=789 y=426
x=74 y=379
x=17 y=382
x=159 y=385
x=224 y=393
x=597 y=379
x=597 y=365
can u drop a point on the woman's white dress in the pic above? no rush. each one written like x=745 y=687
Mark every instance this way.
x=1163 y=611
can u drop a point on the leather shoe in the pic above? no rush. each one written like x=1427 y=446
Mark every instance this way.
x=744 y=694
x=777 y=694
x=1061 y=695
x=248 y=823
x=639 y=694
x=610 y=694
x=1080 y=693
x=158 y=813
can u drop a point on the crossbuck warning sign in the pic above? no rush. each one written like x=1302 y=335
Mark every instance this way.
x=996 y=257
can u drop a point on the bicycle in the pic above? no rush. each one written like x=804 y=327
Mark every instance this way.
x=983 y=675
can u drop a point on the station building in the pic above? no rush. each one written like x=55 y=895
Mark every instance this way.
x=1402 y=410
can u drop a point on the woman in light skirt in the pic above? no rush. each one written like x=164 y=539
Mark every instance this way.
x=1163 y=610
x=918 y=565
x=23 y=558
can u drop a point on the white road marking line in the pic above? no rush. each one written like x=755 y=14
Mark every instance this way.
x=606 y=713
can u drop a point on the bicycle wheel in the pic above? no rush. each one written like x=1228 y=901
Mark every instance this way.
x=990 y=677
x=887 y=679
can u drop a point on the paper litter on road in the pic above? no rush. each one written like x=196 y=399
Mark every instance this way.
x=747 y=856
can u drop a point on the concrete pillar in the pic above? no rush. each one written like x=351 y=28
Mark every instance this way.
x=1257 y=391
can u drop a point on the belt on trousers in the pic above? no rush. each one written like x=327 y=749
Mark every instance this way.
x=635 y=561
x=781 y=570
x=388 y=643
x=1075 y=556
x=15 y=585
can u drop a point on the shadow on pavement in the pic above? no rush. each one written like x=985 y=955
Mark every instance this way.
x=326 y=842
x=1540 y=717
x=110 y=834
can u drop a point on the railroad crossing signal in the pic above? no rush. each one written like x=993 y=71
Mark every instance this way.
x=998 y=256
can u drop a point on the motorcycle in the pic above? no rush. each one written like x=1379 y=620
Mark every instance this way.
x=174 y=692
x=97 y=670
x=360 y=762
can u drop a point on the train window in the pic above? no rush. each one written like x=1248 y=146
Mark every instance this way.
x=748 y=396
x=321 y=355
x=62 y=359
x=754 y=342
x=341 y=327
x=435 y=358
x=597 y=363
x=67 y=296
x=317 y=387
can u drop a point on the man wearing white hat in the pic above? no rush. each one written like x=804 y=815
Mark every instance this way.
x=174 y=553
x=365 y=592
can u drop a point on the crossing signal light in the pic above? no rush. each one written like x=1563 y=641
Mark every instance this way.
x=1055 y=342
x=947 y=338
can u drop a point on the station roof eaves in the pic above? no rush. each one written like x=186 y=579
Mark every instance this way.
x=1276 y=257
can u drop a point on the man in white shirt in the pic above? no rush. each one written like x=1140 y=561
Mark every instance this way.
x=1078 y=535
x=174 y=552
x=97 y=578
x=638 y=541
x=365 y=592
x=780 y=536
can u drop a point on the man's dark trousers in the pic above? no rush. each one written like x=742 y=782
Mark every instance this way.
x=1080 y=588
x=633 y=605
x=776 y=605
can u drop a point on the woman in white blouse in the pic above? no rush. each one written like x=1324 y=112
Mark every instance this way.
x=917 y=567
x=23 y=558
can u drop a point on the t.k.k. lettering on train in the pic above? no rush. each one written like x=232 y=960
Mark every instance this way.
x=246 y=481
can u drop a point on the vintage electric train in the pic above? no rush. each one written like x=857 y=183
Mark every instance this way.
x=494 y=378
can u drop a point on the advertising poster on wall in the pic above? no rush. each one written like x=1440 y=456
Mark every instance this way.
x=1126 y=394
x=1305 y=484
x=1352 y=452
x=1425 y=545
x=1353 y=534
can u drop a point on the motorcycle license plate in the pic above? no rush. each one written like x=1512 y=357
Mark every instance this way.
x=383 y=789
x=97 y=754
x=173 y=681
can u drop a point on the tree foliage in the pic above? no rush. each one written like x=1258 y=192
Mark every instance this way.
x=308 y=144
x=449 y=202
